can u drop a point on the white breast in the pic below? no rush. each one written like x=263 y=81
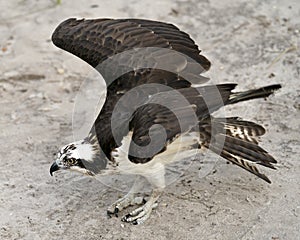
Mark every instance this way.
x=180 y=148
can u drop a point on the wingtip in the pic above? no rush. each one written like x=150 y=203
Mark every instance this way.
x=267 y=179
x=273 y=88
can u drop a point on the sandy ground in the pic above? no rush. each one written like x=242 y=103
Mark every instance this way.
x=252 y=43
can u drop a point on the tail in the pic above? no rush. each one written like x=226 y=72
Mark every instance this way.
x=252 y=94
x=237 y=141
x=208 y=99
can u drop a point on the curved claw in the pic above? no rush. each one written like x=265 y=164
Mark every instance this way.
x=114 y=212
x=140 y=215
x=126 y=201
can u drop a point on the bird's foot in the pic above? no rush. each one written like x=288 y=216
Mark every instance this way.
x=141 y=214
x=122 y=203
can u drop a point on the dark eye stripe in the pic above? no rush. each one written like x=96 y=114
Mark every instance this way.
x=80 y=163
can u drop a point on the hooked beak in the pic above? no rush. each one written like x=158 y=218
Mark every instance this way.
x=54 y=167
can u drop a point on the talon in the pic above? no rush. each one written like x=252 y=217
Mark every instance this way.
x=125 y=217
x=135 y=222
x=116 y=212
x=140 y=214
x=109 y=213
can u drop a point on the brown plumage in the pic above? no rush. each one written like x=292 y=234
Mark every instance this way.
x=96 y=41
x=155 y=107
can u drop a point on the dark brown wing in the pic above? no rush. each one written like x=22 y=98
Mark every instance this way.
x=176 y=111
x=232 y=138
x=149 y=139
x=96 y=40
x=113 y=121
x=129 y=53
x=158 y=123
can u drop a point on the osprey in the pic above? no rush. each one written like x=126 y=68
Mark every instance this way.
x=155 y=112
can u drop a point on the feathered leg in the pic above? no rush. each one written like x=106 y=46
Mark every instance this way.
x=141 y=214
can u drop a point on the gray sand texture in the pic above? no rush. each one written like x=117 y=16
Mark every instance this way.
x=252 y=43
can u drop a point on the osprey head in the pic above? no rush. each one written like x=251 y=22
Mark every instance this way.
x=75 y=156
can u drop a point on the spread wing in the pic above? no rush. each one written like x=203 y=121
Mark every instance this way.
x=130 y=53
x=94 y=41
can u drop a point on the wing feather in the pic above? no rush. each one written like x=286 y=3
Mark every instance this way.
x=87 y=38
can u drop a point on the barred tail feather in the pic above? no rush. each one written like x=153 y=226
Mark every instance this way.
x=249 y=151
x=239 y=162
x=238 y=128
x=237 y=141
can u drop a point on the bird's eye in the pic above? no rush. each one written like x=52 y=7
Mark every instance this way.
x=72 y=161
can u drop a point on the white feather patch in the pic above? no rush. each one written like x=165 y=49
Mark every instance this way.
x=83 y=150
x=180 y=148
